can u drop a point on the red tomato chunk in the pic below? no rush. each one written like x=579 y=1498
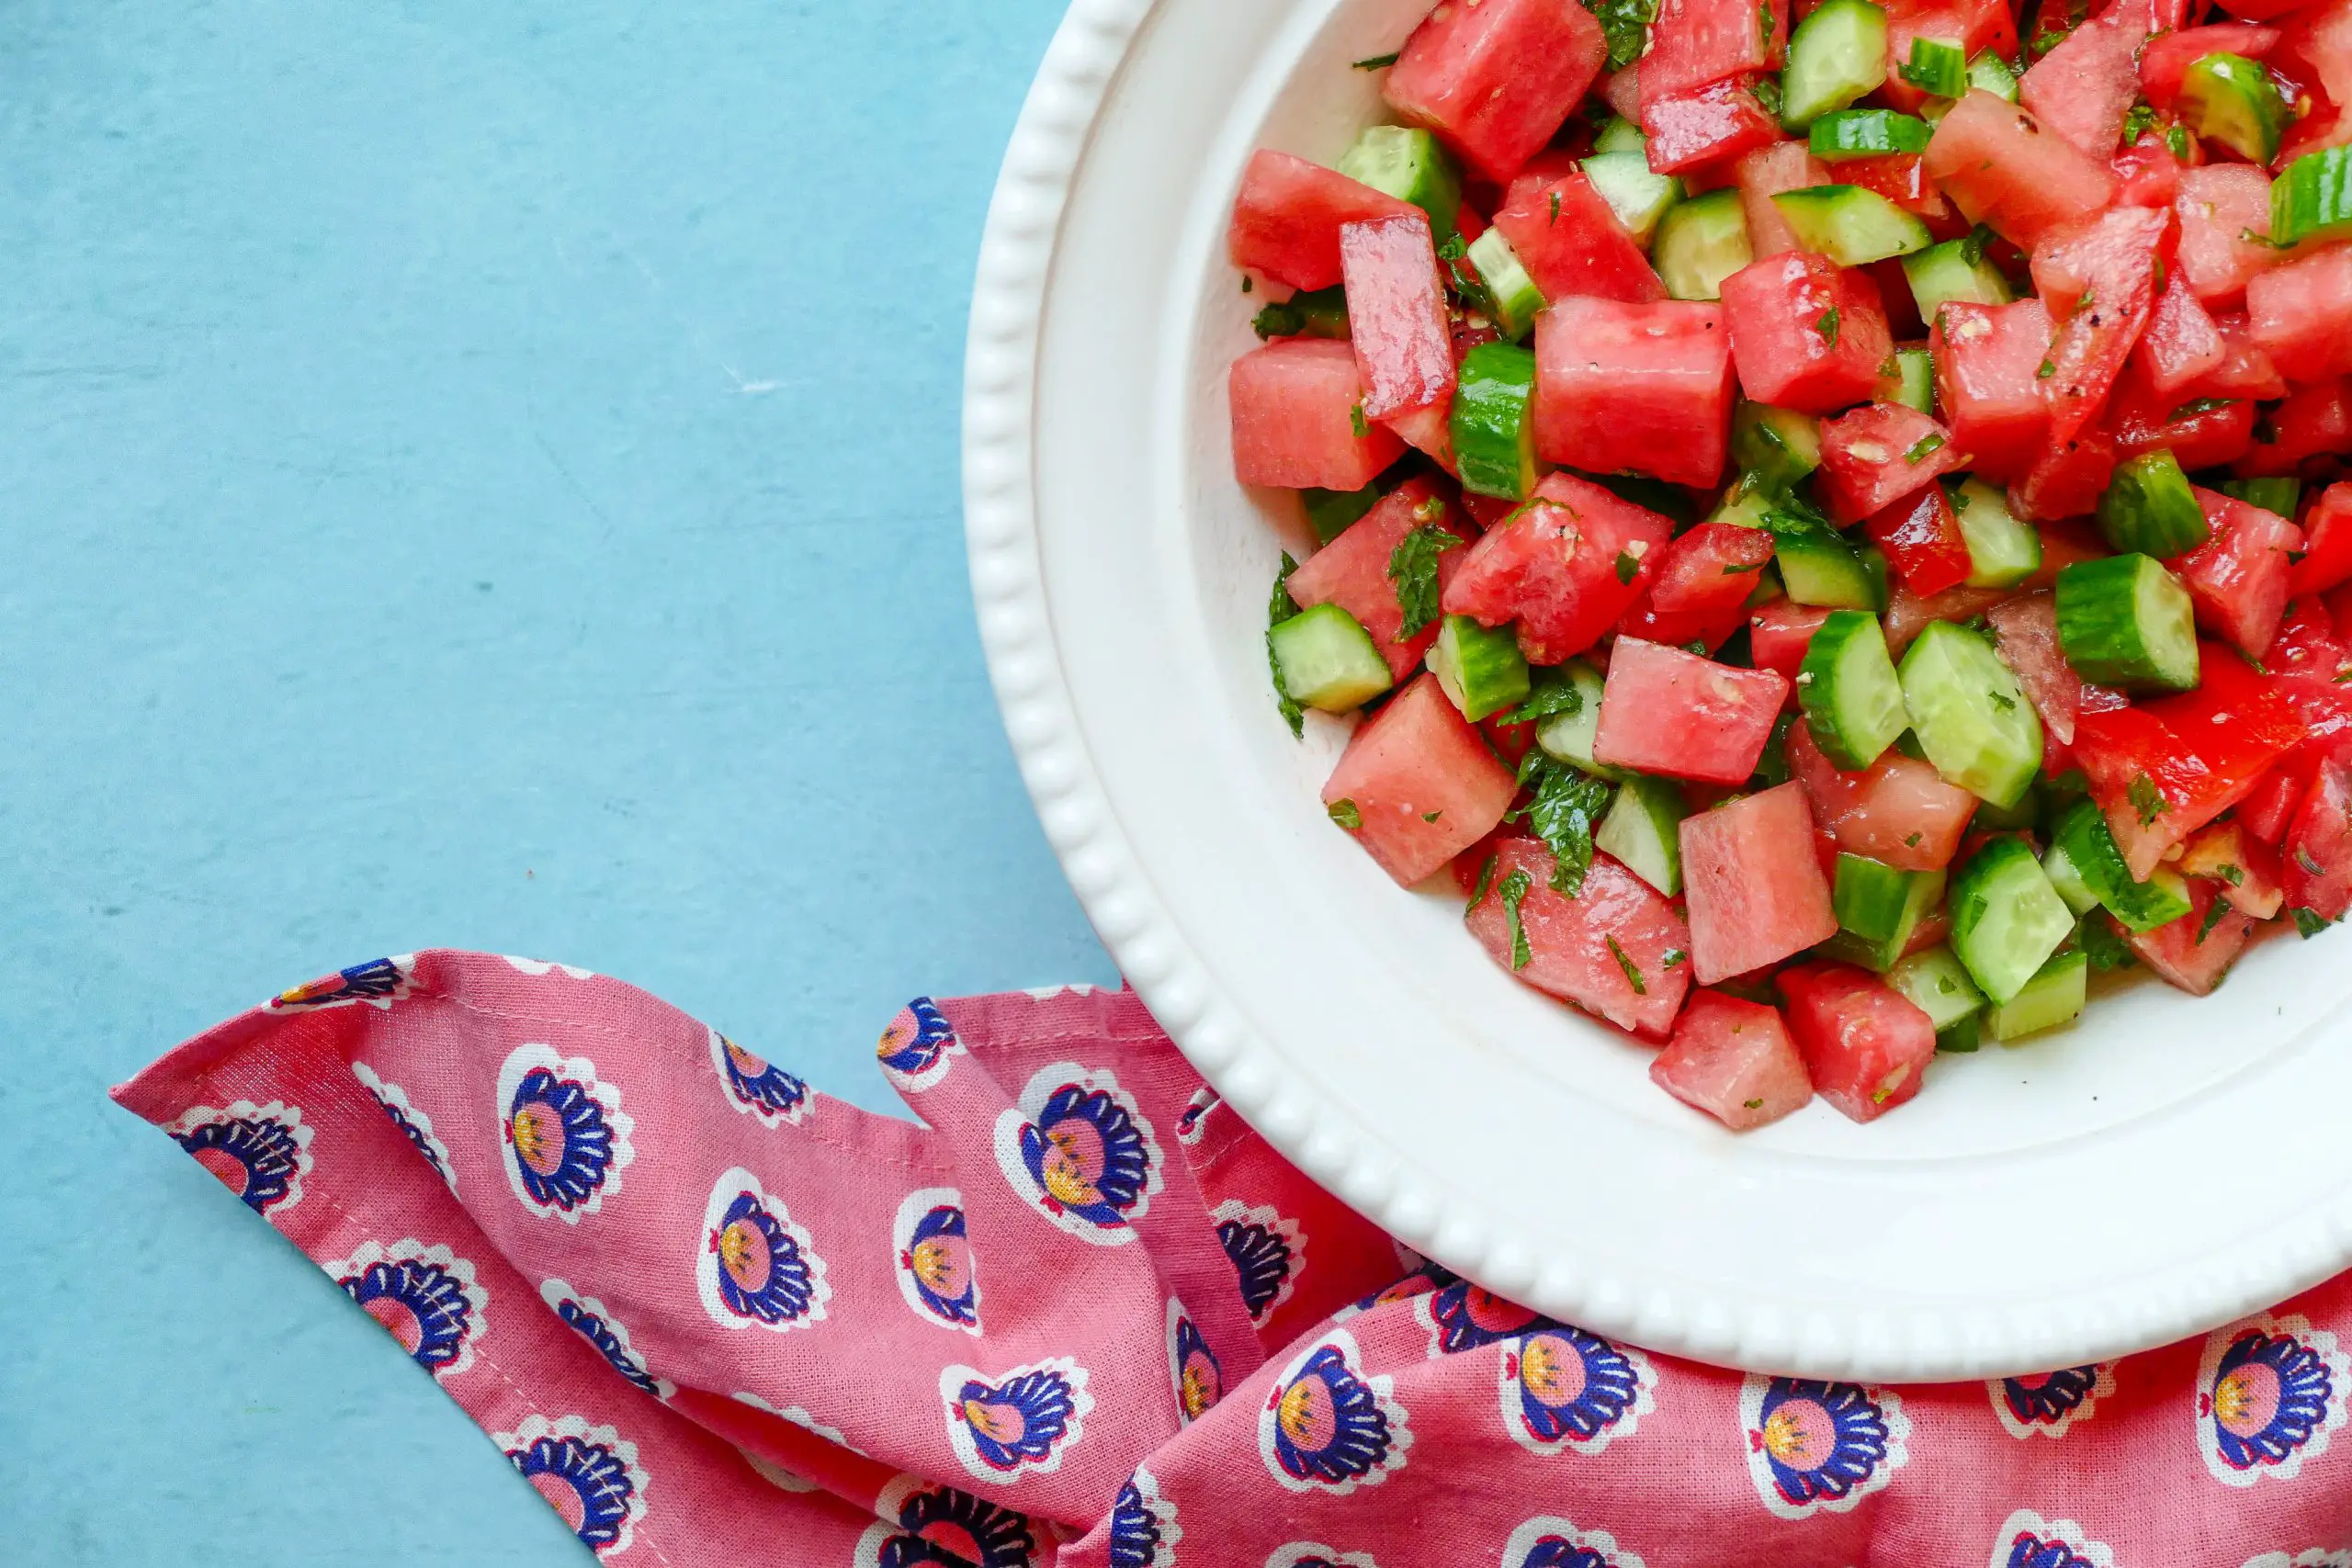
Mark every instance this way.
x=1298 y=418
x=2302 y=314
x=1735 y=1060
x=1699 y=592
x=1568 y=940
x=1866 y=1046
x=2238 y=579
x=1640 y=388
x=1988 y=383
x=1422 y=781
x=1753 y=883
x=1878 y=454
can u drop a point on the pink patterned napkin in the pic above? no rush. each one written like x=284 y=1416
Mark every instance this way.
x=1087 y=1316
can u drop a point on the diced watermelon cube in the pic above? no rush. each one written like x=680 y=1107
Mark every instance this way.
x=2110 y=260
x=2318 y=39
x=1898 y=811
x=1568 y=939
x=2068 y=479
x=2001 y=169
x=1908 y=614
x=1352 y=572
x=1495 y=78
x=2182 y=344
x=1298 y=418
x=2217 y=204
x=2310 y=422
x=2327 y=543
x=1875 y=456
x=2025 y=633
x=2146 y=172
x=1805 y=332
x=1766 y=172
x=1778 y=633
x=2319 y=845
x=2237 y=578
x=1866 y=1045
x=1642 y=388
x=1753 y=883
x=1570 y=242
x=2185 y=953
x=2244 y=370
x=1422 y=783
x=1706 y=126
x=1665 y=710
x=1396 y=315
x=1988 y=383
x=2302 y=314
x=2083 y=88
x=1694 y=43
x=2143 y=419
x=1565 y=567
x=1286 y=220
x=1735 y=1060
x=1700 y=592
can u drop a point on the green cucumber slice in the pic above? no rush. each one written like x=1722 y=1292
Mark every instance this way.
x=2125 y=621
x=1407 y=163
x=1818 y=567
x=2312 y=200
x=2065 y=876
x=2275 y=494
x=2090 y=850
x=1851 y=225
x=1327 y=660
x=1954 y=270
x=1852 y=699
x=1914 y=382
x=1480 y=669
x=1643 y=829
x=1938 y=66
x=1970 y=717
x=2055 y=996
x=1965 y=1035
x=1867 y=133
x=1994 y=74
x=2003 y=549
x=1700 y=243
x=1776 y=447
x=1621 y=135
x=1938 y=985
x=1566 y=736
x=1512 y=293
x=2148 y=507
x=1836 y=55
x=1494 y=431
x=2230 y=99
x=2005 y=918
x=1637 y=197
x=1747 y=503
x=1878 y=910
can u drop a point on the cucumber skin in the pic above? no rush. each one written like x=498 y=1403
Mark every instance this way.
x=1410 y=165
x=2228 y=98
x=1309 y=648
x=1851 y=225
x=1653 y=810
x=1777 y=446
x=1567 y=737
x=1464 y=648
x=1942 y=656
x=2004 y=882
x=2100 y=631
x=1828 y=688
x=2054 y=997
x=2083 y=835
x=1938 y=985
x=2003 y=551
x=1512 y=293
x=2312 y=200
x=1810 y=85
x=2148 y=508
x=1492 y=421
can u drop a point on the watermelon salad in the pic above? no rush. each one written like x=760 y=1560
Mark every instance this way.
x=1827 y=524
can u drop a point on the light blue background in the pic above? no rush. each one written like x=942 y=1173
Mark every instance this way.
x=475 y=475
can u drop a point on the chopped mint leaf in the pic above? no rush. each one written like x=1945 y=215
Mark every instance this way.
x=1486 y=880
x=1633 y=971
x=1674 y=955
x=2202 y=405
x=1378 y=62
x=2213 y=913
x=1828 y=326
x=1548 y=699
x=1749 y=1104
x=1972 y=248
x=1280 y=607
x=1412 y=567
x=1911 y=841
x=1567 y=806
x=1626 y=24
x=1356 y=420
x=2046 y=370
x=1343 y=811
x=2233 y=876
x=1432 y=815
x=2308 y=921
x=1245 y=283
x=2176 y=137
x=2006 y=705
x=1924 y=448
x=2139 y=121
x=2146 y=799
x=1283 y=319
x=1555 y=208
x=1626 y=567
x=2303 y=859
x=1515 y=890
x=2103 y=947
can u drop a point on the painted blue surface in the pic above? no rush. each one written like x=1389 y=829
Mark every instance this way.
x=474 y=474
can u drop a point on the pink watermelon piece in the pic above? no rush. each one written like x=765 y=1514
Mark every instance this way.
x=1298 y=418
x=1568 y=940
x=1753 y=882
x=1422 y=781
x=1352 y=572
x=1866 y=1045
x=1734 y=1060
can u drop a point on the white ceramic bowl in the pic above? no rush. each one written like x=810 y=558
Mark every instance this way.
x=2166 y=1167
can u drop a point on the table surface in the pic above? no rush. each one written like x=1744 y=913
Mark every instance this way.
x=476 y=481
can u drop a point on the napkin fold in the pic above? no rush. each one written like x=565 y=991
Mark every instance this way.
x=1084 y=1315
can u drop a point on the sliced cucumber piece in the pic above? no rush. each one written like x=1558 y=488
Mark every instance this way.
x=2065 y=876
x=1878 y=910
x=1637 y=197
x=1777 y=446
x=1851 y=225
x=1836 y=56
x=1965 y=1035
x=2055 y=996
x=1867 y=133
x=1494 y=430
x=1938 y=66
x=2148 y=507
x=1852 y=699
x=1818 y=567
x=1481 y=669
x=1954 y=270
x=2125 y=621
x=1515 y=298
x=1621 y=135
x=1700 y=243
x=2312 y=200
x=2275 y=494
x=1747 y=503
x=1971 y=717
x=1407 y=163
x=1566 y=736
x=1938 y=985
x=1330 y=512
x=1328 y=660
x=2090 y=850
x=1643 y=829
x=2005 y=918
x=1316 y=312
x=1994 y=74
x=1914 y=382
x=2003 y=549
x=2230 y=99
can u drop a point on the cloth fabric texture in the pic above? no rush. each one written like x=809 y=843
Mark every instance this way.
x=1084 y=1315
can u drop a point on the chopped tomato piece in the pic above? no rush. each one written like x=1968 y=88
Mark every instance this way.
x=1665 y=710
x=1723 y=120
x=1611 y=949
x=2237 y=578
x=1735 y=1060
x=1766 y=172
x=2310 y=422
x=1805 y=332
x=1422 y=781
x=2189 y=953
x=1496 y=79
x=2025 y=632
x=1352 y=572
x=1898 y=811
x=2327 y=543
x=2318 y=846
x=2247 y=870
x=2097 y=280
x=1866 y=1045
x=1922 y=540
x=1297 y=407
x=1907 y=614
x=2218 y=204
x=1699 y=592
x=1876 y=455
x=1565 y=567
x=1641 y=388
x=1396 y=314
x=1570 y=242
x=2068 y=479
x=2001 y=169
x=2302 y=314
x=1753 y=883
x=1778 y=633
x=1988 y=383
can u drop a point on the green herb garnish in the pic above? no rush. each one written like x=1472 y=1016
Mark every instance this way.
x=1343 y=811
x=1633 y=971
x=1412 y=567
x=2146 y=799
x=1280 y=607
x=1515 y=890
